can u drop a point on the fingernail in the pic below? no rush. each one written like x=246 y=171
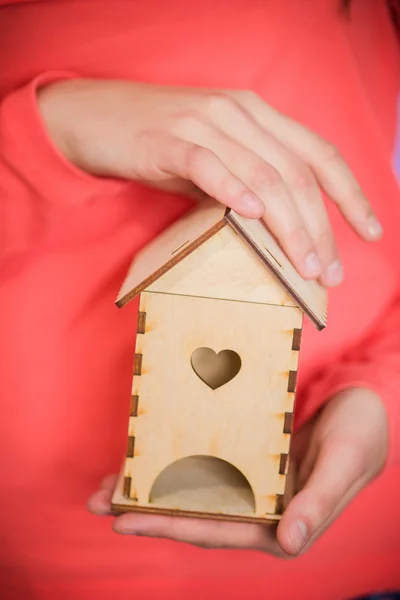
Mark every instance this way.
x=374 y=227
x=313 y=266
x=334 y=274
x=298 y=535
x=253 y=204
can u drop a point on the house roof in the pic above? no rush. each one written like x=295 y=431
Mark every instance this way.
x=196 y=227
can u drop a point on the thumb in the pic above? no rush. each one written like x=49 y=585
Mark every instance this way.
x=334 y=481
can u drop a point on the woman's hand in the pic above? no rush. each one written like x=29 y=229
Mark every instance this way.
x=229 y=145
x=338 y=454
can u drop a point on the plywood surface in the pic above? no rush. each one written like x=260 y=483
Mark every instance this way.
x=170 y=247
x=310 y=295
x=203 y=483
x=122 y=504
x=224 y=267
x=204 y=273
x=241 y=422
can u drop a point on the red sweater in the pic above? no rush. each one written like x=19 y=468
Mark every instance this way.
x=67 y=239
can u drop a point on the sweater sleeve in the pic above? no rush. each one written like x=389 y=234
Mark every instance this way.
x=6 y=2
x=36 y=182
x=375 y=365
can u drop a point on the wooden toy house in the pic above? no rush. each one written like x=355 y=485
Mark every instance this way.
x=217 y=348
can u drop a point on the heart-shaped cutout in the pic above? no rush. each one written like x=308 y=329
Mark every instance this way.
x=215 y=369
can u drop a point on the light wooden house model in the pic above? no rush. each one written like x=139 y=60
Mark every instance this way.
x=217 y=347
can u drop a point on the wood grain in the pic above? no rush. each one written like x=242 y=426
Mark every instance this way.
x=170 y=247
x=309 y=295
x=122 y=504
x=224 y=267
x=203 y=484
x=241 y=422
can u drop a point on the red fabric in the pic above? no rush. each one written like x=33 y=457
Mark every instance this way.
x=66 y=242
x=6 y=2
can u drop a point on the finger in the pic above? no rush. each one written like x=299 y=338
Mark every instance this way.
x=281 y=213
x=289 y=188
x=338 y=470
x=307 y=197
x=312 y=210
x=100 y=502
x=200 y=532
x=347 y=498
x=200 y=165
x=109 y=482
x=331 y=170
x=336 y=178
x=295 y=212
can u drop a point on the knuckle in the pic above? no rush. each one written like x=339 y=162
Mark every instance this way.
x=146 y=136
x=301 y=177
x=299 y=237
x=357 y=196
x=220 y=103
x=228 y=187
x=329 y=152
x=186 y=124
x=322 y=508
x=247 y=95
x=264 y=176
x=195 y=156
x=325 y=239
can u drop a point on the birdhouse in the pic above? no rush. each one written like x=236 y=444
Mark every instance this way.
x=217 y=347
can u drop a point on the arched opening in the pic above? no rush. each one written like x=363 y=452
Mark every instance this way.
x=203 y=484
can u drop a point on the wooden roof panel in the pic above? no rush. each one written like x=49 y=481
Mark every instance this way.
x=170 y=247
x=200 y=224
x=310 y=295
